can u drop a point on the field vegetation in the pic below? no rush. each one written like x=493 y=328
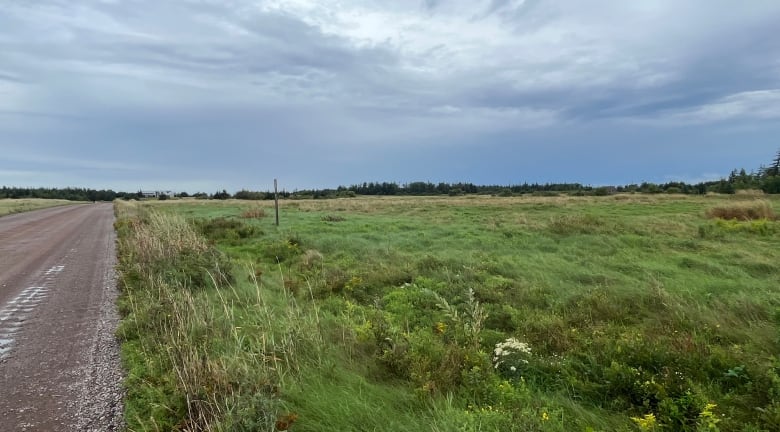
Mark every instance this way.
x=9 y=206
x=469 y=313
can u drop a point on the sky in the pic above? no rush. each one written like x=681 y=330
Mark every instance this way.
x=204 y=95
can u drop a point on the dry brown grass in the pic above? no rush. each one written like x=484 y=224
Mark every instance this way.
x=743 y=211
x=311 y=258
x=385 y=204
x=755 y=193
x=254 y=213
x=9 y=206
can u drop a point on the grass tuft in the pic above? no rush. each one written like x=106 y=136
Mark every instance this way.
x=743 y=211
x=333 y=218
x=254 y=213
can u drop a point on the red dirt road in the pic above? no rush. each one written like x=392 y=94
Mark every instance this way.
x=59 y=367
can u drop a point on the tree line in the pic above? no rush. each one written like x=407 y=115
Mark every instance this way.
x=766 y=178
x=70 y=194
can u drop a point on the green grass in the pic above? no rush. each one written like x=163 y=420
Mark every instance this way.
x=355 y=315
x=10 y=206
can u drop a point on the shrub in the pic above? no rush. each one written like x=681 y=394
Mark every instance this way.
x=225 y=229
x=283 y=250
x=333 y=218
x=752 y=210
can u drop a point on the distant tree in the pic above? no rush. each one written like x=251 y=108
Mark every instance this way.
x=221 y=195
x=723 y=187
x=652 y=188
x=771 y=185
x=249 y=195
x=774 y=168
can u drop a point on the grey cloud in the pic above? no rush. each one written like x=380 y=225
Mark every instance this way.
x=278 y=45
x=11 y=78
x=730 y=64
x=511 y=9
x=218 y=92
x=431 y=4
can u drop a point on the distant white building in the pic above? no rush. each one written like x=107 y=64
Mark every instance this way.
x=155 y=194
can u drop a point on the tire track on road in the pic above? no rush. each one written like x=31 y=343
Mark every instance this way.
x=18 y=310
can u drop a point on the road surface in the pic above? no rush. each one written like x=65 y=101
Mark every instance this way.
x=59 y=367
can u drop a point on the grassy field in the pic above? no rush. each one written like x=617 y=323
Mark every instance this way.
x=9 y=206
x=475 y=313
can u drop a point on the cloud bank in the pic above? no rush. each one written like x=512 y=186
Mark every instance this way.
x=206 y=94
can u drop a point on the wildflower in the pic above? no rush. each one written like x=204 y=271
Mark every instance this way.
x=510 y=347
x=545 y=416
x=646 y=423
x=707 y=419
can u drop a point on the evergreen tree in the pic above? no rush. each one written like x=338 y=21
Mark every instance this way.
x=774 y=168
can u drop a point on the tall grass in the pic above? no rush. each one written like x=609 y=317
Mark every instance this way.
x=207 y=359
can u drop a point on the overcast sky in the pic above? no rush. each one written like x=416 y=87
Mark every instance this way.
x=210 y=94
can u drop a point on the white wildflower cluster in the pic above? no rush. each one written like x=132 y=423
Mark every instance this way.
x=510 y=347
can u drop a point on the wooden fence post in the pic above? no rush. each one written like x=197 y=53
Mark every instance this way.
x=276 y=202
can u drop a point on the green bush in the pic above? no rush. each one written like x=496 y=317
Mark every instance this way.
x=283 y=250
x=225 y=229
x=720 y=227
